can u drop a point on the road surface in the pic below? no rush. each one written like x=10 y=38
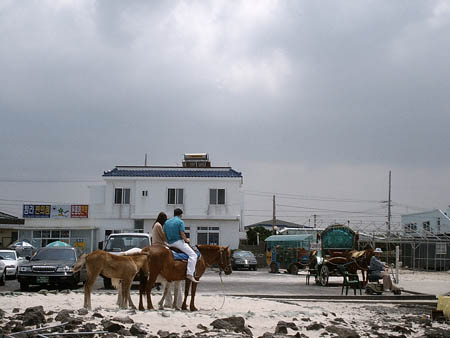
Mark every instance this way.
x=239 y=282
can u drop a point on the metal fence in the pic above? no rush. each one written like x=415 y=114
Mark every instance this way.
x=417 y=252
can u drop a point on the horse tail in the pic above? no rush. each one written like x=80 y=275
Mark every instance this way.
x=116 y=283
x=80 y=263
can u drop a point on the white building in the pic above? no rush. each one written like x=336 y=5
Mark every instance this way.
x=132 y=197
x=426 y=223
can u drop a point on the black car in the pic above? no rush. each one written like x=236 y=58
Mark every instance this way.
x=51 y=266
x=243 y=260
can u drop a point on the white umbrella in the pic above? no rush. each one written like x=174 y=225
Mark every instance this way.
x=21 y=244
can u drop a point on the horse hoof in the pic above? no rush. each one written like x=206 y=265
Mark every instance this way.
x=194 y=309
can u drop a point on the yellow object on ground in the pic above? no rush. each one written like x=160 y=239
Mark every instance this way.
x=444 y=305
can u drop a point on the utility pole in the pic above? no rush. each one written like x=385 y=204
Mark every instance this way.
x=389 y=207
x=145 y=162
x=274 y=217
x=315 y=220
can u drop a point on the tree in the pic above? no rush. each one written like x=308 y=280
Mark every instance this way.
x=252 y=235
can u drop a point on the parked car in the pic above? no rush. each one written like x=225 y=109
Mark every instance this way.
x=9 y=257
x=243 y=260
x=51 y=266
x=2 y=273
x=120 y=242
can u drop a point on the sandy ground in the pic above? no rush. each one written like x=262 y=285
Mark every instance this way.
x=261 y=315
x=433 y=283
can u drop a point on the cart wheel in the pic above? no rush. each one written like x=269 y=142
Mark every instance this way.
x=273 y=267
x=324 y=274
x=293 y=270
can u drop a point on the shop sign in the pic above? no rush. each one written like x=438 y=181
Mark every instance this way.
x=79 y=211
x=36 y=211
x=60 y=211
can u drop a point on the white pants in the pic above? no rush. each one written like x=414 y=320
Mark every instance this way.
x=192 y=260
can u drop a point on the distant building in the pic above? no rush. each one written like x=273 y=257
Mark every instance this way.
x=132 y=197
x=434 y=222
x=280 y=224
x=9 y=226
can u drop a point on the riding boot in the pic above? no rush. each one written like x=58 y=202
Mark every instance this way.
x=192 y=278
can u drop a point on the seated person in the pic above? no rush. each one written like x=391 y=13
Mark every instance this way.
x=158 y=236
x=379 y=269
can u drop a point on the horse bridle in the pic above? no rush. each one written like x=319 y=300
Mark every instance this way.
x=223 y=262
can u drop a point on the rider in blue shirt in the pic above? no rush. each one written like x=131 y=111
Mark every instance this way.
x=176 y=237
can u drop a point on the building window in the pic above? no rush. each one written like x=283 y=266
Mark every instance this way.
x=109 y=232
x=144 y=193
x=208 y=235
x=48 y=236
x=187 y=231
x=426 y=226
x=411 y=227
x=441 y=248
x=216 y=196
x=122 y=196
x=139 y=225
x=175 y=196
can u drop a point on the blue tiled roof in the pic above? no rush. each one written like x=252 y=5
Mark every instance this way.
x=119 y=172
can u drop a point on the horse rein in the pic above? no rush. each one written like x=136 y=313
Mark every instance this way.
x=223 y=263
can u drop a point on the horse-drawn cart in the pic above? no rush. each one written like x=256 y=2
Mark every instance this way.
x=290 y=252
x=336 y=244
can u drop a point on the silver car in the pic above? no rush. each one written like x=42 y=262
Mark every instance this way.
x=9 y=257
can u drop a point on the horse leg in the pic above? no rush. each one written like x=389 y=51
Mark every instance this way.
x=364 y=274
x=166 y=290
x=126 y=286
x=117 y=284
x=150 y=282
x=130 y=301
x=142 y=283
x=193 y=290
x=187 y=285
x=168 y=295
x=177 y=295
x=88 y=285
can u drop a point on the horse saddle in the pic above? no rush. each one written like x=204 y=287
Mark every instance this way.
x=179 y=255
x=357 y=254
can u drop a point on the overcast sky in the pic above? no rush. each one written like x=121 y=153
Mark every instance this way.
x=317 y=99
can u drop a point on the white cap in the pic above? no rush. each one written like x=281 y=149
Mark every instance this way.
x=378 y=250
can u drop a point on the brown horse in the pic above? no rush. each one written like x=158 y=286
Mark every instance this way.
x=352 y=260
x=112 y=266
x=361 y=260
x=161 y=262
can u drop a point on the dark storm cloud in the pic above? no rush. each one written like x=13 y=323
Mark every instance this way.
x=311 y=83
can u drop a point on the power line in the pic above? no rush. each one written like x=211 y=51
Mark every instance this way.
x=306 y=197
x=48 y=180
